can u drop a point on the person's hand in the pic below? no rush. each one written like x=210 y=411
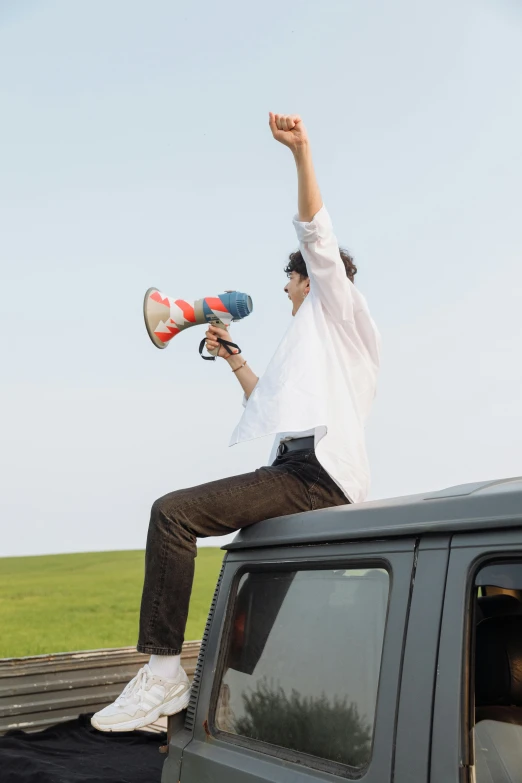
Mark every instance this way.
x=212 y=333
x=289 y=130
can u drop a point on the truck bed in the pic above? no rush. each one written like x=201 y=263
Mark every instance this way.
x=45 y=706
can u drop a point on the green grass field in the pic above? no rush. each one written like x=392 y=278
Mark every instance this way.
x=59 y=603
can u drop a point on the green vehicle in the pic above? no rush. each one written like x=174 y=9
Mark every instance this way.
x=378 y=642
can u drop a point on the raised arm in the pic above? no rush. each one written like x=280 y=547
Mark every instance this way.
x=290 y=131
x=314 y=229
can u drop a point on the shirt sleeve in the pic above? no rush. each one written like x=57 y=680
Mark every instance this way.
x=324 y=265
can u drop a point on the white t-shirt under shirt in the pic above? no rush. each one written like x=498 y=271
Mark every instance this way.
x=322 y=377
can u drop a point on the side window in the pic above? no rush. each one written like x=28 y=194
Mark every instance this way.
x=498 y=673
x=301 y=670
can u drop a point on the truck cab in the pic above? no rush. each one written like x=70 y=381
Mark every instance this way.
x=376 y=642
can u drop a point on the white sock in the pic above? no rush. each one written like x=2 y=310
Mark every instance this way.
x=166 y=666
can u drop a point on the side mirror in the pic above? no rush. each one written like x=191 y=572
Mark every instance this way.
x=257 y=605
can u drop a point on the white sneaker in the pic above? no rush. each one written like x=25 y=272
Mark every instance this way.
x=145 y=699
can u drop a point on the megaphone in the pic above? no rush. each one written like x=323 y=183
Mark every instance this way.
x=165 y=317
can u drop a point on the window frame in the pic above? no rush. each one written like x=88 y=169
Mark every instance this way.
x=276 y=751
x=469 y=705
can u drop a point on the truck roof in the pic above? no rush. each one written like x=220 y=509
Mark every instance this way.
x=479 y=506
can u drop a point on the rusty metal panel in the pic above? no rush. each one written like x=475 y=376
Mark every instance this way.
x=43 y=690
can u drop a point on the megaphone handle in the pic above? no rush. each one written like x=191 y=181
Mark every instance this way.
x=214 y=352
x=216 y=322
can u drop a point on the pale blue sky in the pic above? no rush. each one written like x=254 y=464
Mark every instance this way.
x=135 y=151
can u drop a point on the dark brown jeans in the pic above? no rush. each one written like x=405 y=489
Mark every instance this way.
x=295 y=482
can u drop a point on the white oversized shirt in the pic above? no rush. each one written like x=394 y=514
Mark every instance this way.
x=323 y=374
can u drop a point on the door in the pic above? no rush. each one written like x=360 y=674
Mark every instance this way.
x=477 y=719
x=300 y=682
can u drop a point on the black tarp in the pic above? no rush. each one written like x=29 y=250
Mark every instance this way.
x=75 y=752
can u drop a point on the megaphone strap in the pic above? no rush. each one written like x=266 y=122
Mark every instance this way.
x=224 y=343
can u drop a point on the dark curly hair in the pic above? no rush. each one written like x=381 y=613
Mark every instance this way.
x=296 y=263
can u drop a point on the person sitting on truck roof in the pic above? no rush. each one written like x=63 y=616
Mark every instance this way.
x=315 y=396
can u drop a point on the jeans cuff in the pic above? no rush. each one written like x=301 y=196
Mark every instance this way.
x=148 y=650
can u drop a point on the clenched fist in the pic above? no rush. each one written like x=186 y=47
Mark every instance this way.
x=289 y=129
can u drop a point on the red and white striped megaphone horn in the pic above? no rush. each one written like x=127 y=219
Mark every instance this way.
x=165 y=317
